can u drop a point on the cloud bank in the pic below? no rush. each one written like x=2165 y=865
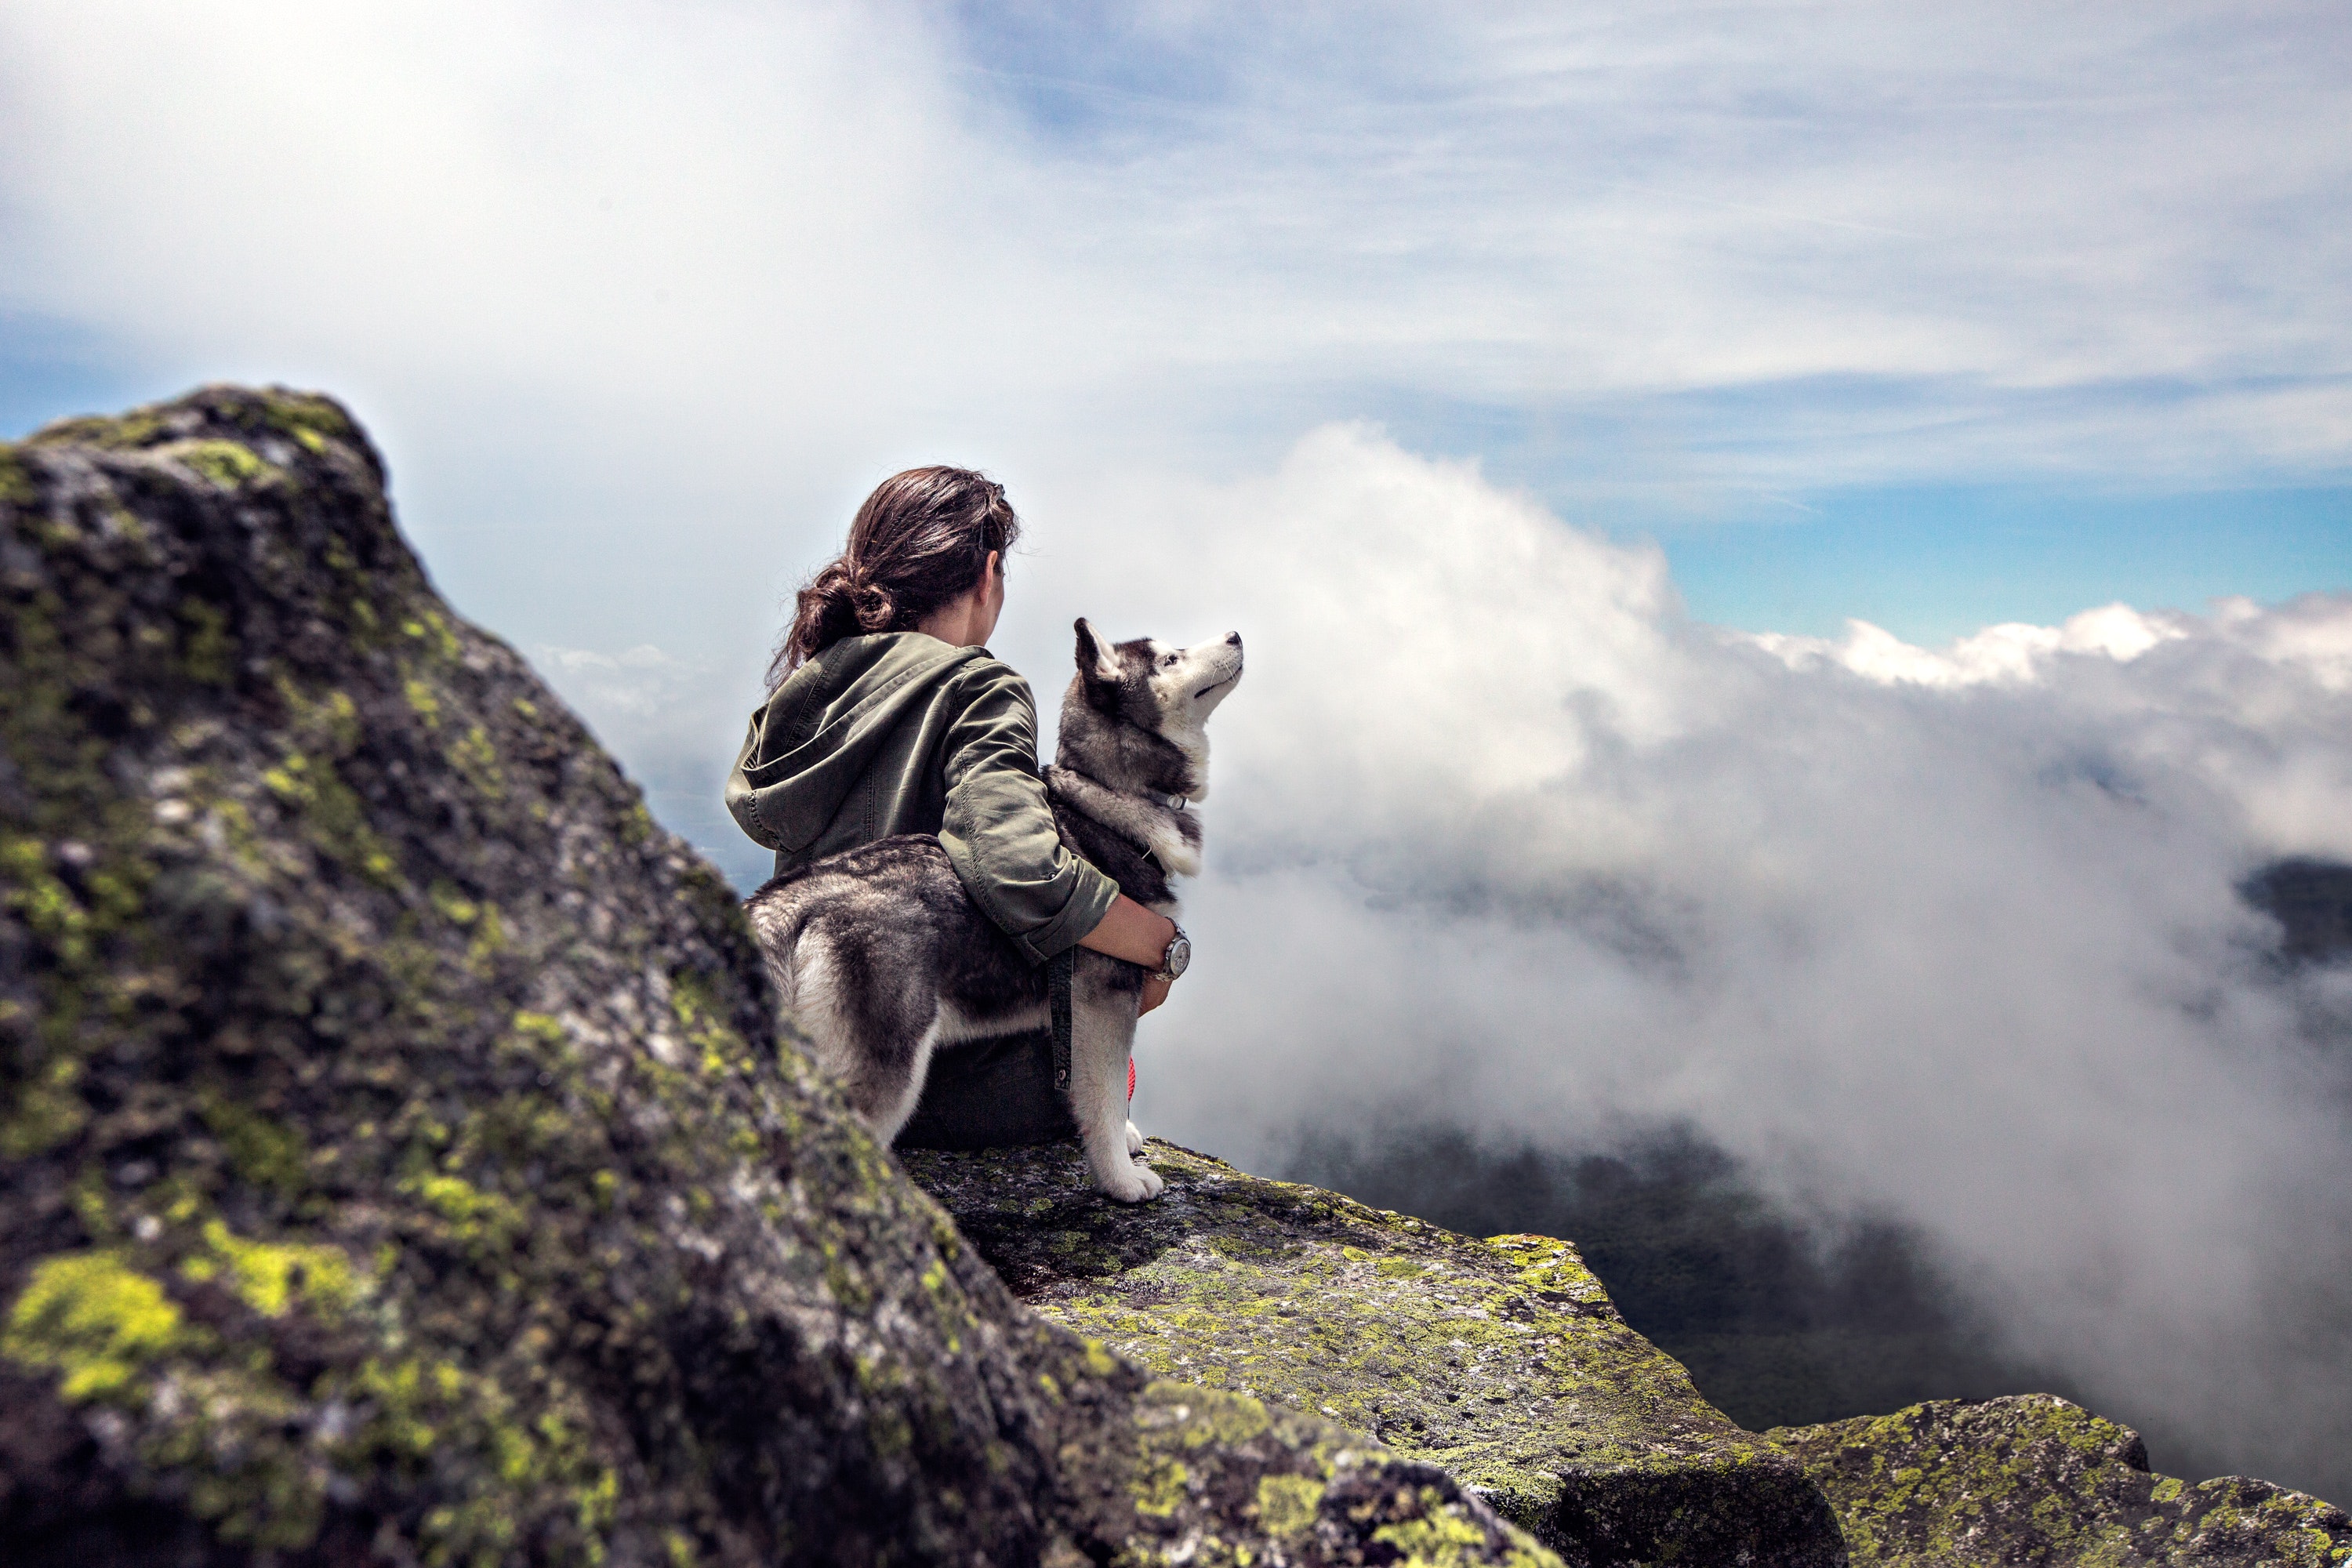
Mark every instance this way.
x=1953 y=937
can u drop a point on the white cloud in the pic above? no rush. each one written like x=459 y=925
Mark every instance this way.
x=799 y=232
x=2011 y=652
x=1497 y=834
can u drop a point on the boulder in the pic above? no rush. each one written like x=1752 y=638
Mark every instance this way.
x=1500 y=1361
x=401 y=1158
x=2032 y=1480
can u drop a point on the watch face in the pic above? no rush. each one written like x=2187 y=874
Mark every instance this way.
x=1180 y=954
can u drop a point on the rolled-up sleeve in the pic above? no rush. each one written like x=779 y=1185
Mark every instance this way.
x=998 y=829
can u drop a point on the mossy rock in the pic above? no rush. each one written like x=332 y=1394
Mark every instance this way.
x=1501 y=1361
x=401 y=1156
x=2034 y=1480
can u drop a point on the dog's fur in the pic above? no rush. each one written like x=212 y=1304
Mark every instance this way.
x=883 y=958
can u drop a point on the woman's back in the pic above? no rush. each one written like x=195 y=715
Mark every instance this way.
x=900 y=733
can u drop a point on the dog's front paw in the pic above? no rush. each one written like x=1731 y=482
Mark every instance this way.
x=1134 y=1141
x=1136 y=1184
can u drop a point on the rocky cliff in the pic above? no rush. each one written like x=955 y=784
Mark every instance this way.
x=400 y=1159
x=1502 y=1360
x=2038 y=1480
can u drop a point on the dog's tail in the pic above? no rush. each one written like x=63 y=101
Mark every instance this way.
x=779 y=914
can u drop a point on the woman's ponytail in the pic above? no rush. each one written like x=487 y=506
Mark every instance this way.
x=873 y=606
x=824 y=613
x=921 y=541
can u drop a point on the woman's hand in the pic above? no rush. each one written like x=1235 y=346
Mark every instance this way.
x=1155 y=992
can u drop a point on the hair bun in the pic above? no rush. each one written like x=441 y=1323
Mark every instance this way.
x=874 y=605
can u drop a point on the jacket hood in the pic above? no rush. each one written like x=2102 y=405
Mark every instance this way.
x=811 y=741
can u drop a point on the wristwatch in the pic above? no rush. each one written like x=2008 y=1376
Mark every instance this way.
x=1178 y=955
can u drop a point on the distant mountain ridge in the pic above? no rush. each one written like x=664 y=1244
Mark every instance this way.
x=2312 y=900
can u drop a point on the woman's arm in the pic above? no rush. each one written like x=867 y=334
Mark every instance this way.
x=1134 y=933
x=998 y=834
x=998 y=827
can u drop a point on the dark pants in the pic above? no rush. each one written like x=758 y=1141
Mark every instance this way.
x=991 y=1094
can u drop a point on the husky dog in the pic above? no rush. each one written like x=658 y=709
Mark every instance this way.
x=883 y=958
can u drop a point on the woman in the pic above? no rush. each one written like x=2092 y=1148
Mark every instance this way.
x=886 y=714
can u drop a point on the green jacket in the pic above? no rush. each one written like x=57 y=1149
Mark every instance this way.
x=901 y=733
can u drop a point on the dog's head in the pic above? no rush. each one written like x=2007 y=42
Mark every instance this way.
x=1128 y=695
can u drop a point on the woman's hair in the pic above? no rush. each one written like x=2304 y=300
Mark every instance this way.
x=921 y=541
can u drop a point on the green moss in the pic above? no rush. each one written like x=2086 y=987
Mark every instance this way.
x=421 y=1412
x=94 y=1318
x=326 y=722
x=227 y=464
x=93 y=1205
x=477 y=760
x=1212 y=1416
x=423 y=702
x=139 y=427
x=472 y=1214
x=452 y=905
x=311 y=420
x=45 y=1111
x=1438 y=1538
x=15 y=484
x=205 y=654
x=1287 y=1505
x=718 y=1049
x=430 y=630
x=336 y=820
x=269 y=1155
x=1160 y=1487
x=540 y=1026
x=269 y=1276
x=43 y=901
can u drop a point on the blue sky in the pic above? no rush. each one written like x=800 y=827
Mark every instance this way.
x=1928 y=562
x=2029 y=535
x=1936 y=322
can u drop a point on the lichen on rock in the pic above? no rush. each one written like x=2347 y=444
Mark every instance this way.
x=401 y=1156
x=1502 y=1361
x=2034 y=1480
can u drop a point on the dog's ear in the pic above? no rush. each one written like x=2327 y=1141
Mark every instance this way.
x=1097 y=661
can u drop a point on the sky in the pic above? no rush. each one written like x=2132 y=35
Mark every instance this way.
x=1793 y=555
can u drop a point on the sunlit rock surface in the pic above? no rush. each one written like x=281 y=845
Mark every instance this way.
x=1501 y=1361
x=400 y=1159
x=2034 y=1479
